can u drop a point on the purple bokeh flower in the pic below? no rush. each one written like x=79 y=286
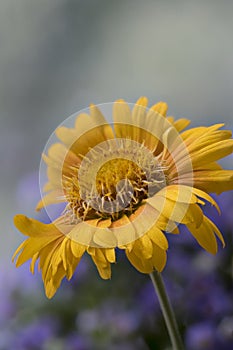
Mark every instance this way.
x=34 y=335
x=201 y=336
x=111 y=316
x=13 y=282
x=207 y=298
x=78 y=342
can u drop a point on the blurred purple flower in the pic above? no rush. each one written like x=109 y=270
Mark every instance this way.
x=88 y=321
x=78 y=342
x=13 y=282
x=208 y=336
x=225 y=332
x=201 y=336
x=147 y=301
x=33 y=336
x=12 y=278
x=7 y=306
x=119 y=319
x=207 y=298
x=111 y=318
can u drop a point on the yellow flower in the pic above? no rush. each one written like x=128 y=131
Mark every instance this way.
x=125 y=185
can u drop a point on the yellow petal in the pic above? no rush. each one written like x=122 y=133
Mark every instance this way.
x=20 y=247
x=53 y=197
x=53 y=284
x=158 y=237
x=203 y=143
x=207 y=197
x=157 y=261
x=88 y=135
x=34 y=259
x=161 y=108
x=159 y=258
x=143 y=248
x=61 y=158
x=170 y=119
x=209 y=167
x=143 y=219
x=35 y=228
x=32 y=246
x=65 y=252
x=122 y=119
x=124 y=231
x=212 y=152
x=216 y=230
x=58 y=256
x=104 y=223
x=122 y=112
x=98 y=253
x=103 y=266
x=165 y=224
x=176 y=211
x=77 y=249
x=214 y=181
x=96 y=116
x=105 y=238
x=205 y=236
x=110 y=255
x=83 y=232
x=99 y=120
x=139 y=111
x=178 y=193
x=175 y=230
x=67 y=136
x=144 y=266
x=181 y=124
x=142 y=101
x=104 y=272
x=71 y=267
x=193 y=214
x=94 y=122
x=195 y=133
x=45 y=258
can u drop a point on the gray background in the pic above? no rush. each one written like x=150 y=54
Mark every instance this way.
x=57 y=56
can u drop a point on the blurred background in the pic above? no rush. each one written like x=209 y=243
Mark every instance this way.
x=56 y=57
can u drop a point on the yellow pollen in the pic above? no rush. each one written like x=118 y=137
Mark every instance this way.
x=115 y=170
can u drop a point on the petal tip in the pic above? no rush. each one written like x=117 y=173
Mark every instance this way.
x=19 y=219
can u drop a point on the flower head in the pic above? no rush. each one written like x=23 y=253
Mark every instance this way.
x=125 y=183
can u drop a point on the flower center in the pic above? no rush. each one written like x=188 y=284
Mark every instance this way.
x=114 y=179
x=113 y=172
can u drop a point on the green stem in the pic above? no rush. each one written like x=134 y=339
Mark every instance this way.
x=167 y=311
